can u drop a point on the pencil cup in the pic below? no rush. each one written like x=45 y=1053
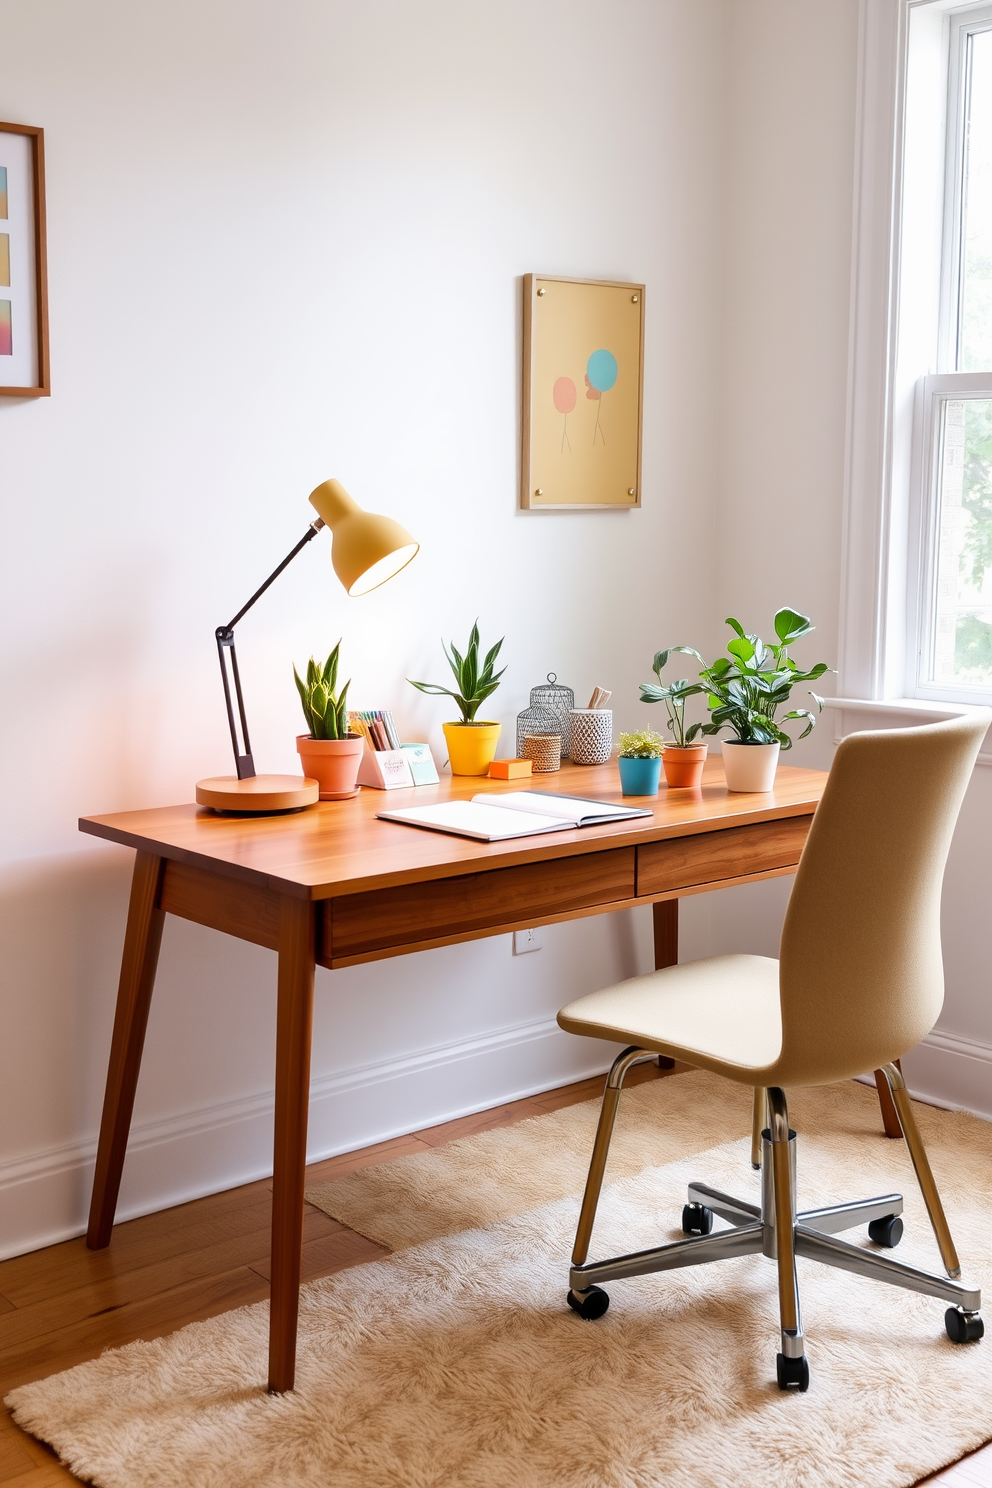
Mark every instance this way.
x=592 y=735
x=544 y=752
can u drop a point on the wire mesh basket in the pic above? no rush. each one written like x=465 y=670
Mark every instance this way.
x=549 y=713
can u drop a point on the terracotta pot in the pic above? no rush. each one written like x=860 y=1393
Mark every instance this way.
x=333 y=763
x=684 y=767
x=471 y=746
x=749 y=767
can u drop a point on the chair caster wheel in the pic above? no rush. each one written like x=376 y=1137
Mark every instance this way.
x=591 y=1304
x=963 y=1327
x=696 y=1219
x=887 y=1231
x=793 y=1374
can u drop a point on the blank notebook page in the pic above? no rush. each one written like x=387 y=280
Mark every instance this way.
x=478 y=820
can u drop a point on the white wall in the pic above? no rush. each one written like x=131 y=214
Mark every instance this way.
x=786 y=275
x=286 y=243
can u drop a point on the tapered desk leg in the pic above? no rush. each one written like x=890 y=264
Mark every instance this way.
x=142 y=939
x=666 y=947
x=890 y=1120
x=294 y=1026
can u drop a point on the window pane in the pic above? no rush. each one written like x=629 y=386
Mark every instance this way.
x=976 y=287
x=962 y=634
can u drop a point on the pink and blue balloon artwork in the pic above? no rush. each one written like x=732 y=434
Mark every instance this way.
x=601 y=370
x=564 y=395
x=601 y=376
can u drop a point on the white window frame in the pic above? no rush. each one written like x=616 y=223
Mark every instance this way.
x=934 y=393
x=906 y=247
x=962 y=25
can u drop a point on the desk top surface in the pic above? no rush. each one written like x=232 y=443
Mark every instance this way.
x=338 y=847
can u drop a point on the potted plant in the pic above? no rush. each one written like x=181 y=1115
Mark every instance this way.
x=682 y=758
x=745 y=692
x=640 y=762
x=471 y=742
x=329 y=753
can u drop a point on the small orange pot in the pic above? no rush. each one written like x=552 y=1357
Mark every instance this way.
x=683 y=767
x=333 y=763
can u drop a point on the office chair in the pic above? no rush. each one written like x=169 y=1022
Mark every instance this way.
x=859 y=980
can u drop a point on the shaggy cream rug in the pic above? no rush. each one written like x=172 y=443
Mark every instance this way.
x=456 y=1364
x=477 y=1180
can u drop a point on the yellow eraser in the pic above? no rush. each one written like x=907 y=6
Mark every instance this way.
x=509 y=769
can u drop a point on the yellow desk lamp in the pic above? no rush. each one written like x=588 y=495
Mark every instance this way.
x=366 y=550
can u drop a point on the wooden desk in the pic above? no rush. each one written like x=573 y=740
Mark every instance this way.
x=331 y=886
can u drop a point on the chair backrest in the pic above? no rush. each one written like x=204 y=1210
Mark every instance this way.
x=861 y=972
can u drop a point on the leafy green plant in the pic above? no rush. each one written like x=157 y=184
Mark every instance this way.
x=645 y=744
x=747 y=689
x=325 y=710
x=673 y=695
x=475 y=682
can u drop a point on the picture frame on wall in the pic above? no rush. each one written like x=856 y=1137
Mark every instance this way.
x=24 y=364
x=583 y=374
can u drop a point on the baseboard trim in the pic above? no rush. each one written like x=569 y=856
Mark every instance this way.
x=949 y=1071
x=44 y=1195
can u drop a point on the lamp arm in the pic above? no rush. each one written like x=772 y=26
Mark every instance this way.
x=224 y=634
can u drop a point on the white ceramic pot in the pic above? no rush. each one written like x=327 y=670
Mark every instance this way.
x=750 y=767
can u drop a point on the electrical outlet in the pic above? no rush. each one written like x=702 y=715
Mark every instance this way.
x=526 y=940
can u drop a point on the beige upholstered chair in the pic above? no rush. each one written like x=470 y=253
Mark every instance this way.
x=858 y=982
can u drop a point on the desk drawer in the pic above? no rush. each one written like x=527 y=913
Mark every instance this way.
x=708 y=857
x=362 y=924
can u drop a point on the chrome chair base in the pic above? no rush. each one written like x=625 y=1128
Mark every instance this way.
x=775 y=1229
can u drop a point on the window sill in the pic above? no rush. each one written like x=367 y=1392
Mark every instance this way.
x=919 y=708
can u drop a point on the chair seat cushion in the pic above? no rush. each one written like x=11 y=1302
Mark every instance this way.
x=722 y=1013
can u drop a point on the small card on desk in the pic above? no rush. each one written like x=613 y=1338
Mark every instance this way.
x=385 y=769
x=421 y=762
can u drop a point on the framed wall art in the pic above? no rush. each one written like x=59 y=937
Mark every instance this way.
x=582 y=377
x=23 y=273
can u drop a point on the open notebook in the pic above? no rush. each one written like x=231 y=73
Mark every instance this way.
x=490 y=817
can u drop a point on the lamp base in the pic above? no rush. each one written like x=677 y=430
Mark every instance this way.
x=259 y=794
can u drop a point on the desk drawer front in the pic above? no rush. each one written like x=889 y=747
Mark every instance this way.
x=682 y=862
x=241 y=909
x=357 y=924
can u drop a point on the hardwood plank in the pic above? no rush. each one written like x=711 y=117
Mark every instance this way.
x=41 y=1467
x=247 y=911
x=5 y=1304
x=338 y=847
x=356 y=924
x=150 y=1318
x=26 y=1462
x=329 y=1253
x=663 y=866
x=99 y=1298
x=64 y=1267
x=15 y=1460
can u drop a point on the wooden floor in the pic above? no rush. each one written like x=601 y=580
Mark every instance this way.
x=66 y=1304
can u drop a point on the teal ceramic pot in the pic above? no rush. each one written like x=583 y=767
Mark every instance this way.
x=639 y=777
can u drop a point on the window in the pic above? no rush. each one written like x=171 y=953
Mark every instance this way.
x=950 y=582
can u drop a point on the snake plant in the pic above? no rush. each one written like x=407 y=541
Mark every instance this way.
x=325 y=709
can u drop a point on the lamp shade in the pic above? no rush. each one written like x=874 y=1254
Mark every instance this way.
x=366 y=549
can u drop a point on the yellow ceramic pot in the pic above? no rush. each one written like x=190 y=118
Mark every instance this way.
x=471 y=746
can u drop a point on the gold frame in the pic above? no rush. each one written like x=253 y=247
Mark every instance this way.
x=529 y=501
